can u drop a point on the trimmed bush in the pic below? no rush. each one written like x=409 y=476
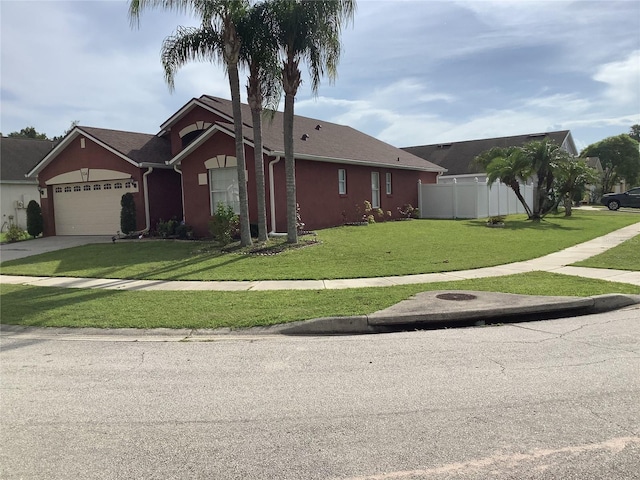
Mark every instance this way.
x=35 y=223
x=128 y=213
x=224 y=224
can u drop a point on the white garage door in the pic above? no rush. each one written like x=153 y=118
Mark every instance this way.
x=89 y=208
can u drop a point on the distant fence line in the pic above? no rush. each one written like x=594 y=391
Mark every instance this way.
x=470 y=200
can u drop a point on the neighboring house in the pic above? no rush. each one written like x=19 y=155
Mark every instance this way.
x=337 y=170
x=457 y=157
x=83 y=178
x=17 y=156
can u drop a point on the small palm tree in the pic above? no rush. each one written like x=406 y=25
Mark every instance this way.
x=217 y=38
x=510 y=166
x=306 y=31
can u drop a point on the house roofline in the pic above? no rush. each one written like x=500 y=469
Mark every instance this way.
x=164 y=128
x=73 y=134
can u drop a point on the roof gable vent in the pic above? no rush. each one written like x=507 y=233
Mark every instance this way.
x=304 y=137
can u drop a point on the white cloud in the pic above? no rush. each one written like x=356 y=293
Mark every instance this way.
x=623 y=80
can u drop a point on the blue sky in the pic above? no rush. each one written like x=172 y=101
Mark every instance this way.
x=412 y=72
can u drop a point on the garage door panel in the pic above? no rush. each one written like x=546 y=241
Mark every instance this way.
x=88 y=208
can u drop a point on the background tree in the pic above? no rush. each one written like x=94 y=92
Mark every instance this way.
x=29 y=132
x=219 y=19
x=634 y=132
x=128 y=221
x=620 y=160
x=35 y=223
x=307 y=31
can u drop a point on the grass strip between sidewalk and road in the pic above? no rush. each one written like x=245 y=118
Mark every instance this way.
x=378 y=250
x=60 y=307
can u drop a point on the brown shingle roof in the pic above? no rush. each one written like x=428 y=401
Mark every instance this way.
x=330 y=141
x=19 y=155
x=458 y=157
x=139 y=147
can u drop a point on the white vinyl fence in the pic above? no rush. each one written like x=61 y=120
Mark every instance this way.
x=470 y=200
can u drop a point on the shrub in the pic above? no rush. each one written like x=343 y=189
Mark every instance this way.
x=407 y=211
x=128 y=213
x=168 y=229
x=15 y=233
x=299 y=223
x=184 y=231
x=224 y=224
x=35 y=224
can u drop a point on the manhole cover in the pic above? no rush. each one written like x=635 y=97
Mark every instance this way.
x=456 y=296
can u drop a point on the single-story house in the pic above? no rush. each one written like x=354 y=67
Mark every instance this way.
x=457 y=157
x=190 y=166
x=18 y=155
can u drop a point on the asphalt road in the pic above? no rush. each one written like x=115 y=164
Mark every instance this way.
x=555 y=399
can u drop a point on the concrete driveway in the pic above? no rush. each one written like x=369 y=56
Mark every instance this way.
x=11 y=251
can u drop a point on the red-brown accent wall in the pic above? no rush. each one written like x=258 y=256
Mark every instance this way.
x=197 y=114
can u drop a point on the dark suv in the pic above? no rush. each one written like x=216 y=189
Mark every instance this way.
x=630 y=198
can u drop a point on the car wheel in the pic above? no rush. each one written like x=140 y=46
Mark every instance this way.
x=613 y=205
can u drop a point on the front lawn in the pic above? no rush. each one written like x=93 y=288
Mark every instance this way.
x=384 y=249
x=60 y=307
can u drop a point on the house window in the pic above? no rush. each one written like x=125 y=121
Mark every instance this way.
x=342 y=181
x=77 y=188
x=86 y=188
x=97 y=187
x=375 y=189
x=223 y=184
x=117 y=185
x=388 y=183
x=107 y=186
x=58 y=189
x=67 y=189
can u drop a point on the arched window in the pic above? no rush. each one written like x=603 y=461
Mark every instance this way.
x=190 y=137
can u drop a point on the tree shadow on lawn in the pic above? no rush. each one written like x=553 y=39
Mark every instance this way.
x=527 y=225
x=95 y=258
x=22 y=305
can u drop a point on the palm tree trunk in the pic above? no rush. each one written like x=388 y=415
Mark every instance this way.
x=515 y=186
x=234 y=84
x=290 y=169
x=255 y=102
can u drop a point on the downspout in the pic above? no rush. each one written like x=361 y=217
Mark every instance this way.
x=175 y=168
x=147 y=215
x=272 y=196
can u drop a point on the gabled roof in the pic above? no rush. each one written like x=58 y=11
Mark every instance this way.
x=457 y=157
x=139 y=149
x=18 y=155
x=325 y=141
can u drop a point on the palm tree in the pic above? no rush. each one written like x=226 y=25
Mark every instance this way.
x=544 y=157
x=219 y=19
x=510 y=166
x=572 y=176
x=259 y=50
x=307 y=31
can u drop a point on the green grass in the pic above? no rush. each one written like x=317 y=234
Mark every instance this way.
x=623 y=257
x=385 y=249
x=59 y=307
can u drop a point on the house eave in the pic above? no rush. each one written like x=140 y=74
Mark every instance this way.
x=317 y=158
x=194 y=102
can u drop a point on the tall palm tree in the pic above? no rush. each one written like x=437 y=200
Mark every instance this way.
x=219 y=19
x=259 y=50
x=307 y=31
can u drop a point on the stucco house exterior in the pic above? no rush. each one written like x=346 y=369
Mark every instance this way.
x=190 y=166
x=17 y=156
x=457 y=157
